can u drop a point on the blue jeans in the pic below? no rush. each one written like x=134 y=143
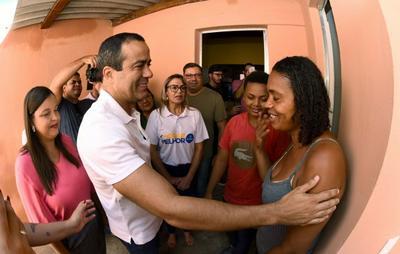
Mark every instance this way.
x=181 y=171
x=147 y=248
x=91 y=239
x=203 y=175
x=241 y=240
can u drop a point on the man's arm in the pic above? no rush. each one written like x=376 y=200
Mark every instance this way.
x=221 y=127
x=161 y=199
x=67 y=72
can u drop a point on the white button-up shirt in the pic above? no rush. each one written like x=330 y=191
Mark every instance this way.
x=112 y=145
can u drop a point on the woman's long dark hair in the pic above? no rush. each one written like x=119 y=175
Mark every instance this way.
x=45 y=168
x=310 y=96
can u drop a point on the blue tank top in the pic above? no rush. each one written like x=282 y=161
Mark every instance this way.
x=270 y=236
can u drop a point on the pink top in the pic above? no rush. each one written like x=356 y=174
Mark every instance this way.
x=72 y=186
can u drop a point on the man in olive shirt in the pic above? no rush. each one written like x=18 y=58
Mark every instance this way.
x=212 y=108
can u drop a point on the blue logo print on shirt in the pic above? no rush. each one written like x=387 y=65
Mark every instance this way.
x=176 y=138
x=189 y=138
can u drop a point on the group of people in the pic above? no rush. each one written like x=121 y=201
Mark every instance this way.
x=142 y=164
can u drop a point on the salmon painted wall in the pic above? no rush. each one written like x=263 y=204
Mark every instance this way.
x=31 y=56
x=370 y=119
x=293 y=28
x=173 y=45
x=370 y=124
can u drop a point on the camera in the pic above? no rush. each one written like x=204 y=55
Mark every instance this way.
x=92 y=76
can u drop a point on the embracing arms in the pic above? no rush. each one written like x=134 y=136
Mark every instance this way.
x=327 y=160
x=298 y=207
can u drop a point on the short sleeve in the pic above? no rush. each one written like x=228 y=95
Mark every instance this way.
x=201 y=130
x=224 y=142
x=112 y=157
x=31 y=191
x=219 y=113
x=152 y=127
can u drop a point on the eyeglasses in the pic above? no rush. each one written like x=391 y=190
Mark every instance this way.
x=175 y=89
x=190 y=76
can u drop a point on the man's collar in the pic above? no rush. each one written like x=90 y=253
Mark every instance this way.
x=116 y=108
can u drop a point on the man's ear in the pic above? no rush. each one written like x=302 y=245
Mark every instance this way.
x=107 y=72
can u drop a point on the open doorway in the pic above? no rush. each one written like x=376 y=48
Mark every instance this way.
x=231 y=48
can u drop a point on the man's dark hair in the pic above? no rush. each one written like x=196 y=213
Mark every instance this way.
x=110 y=50
x=259 y=77
x=248 y=64
x=214 y=68
x=45 y=168
x=310 y=96
x=192 y=65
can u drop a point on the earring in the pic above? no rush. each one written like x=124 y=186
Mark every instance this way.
x=33 y=128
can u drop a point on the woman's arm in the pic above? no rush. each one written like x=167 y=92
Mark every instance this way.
x=197 y=155
x=158 y=164
x=328 y=161
x=39 y=234
x=218 y=170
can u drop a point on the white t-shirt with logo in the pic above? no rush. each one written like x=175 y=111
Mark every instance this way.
x=176 y=136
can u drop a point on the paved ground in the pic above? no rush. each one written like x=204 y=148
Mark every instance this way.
x=204 y=242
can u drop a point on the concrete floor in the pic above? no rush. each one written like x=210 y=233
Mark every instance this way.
x=204 y=242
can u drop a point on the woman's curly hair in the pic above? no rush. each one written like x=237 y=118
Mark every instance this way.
x=310 y=96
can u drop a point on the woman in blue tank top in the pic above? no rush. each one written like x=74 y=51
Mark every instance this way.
x=298 y=103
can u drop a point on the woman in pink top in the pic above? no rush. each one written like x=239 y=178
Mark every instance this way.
x=50 y=177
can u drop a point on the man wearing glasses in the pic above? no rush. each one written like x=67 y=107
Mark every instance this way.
x=212 y=108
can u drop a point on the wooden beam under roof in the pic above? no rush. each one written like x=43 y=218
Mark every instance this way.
x=163 y=4
x=57 y=8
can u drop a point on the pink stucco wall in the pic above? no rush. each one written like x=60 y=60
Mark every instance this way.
x=370 y=119
x=29 y=57
x=170 y=33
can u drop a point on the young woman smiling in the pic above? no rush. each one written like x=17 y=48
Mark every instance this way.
x=51 y=180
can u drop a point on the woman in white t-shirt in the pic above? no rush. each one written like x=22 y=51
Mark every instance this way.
x=176 y=133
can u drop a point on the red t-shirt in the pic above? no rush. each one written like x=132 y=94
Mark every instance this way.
x=243 y=186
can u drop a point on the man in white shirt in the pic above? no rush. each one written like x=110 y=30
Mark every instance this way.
x=115 y=152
